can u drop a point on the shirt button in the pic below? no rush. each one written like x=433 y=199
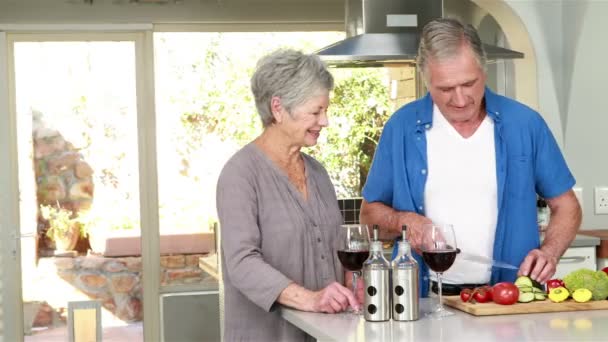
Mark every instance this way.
x=417 y=121
x=427 y=126
x=420 y=208
x=418 y=138
x=423 y=171
x=322 y=257
x=318 y=239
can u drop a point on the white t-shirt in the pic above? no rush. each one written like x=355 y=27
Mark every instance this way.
x=461 y=190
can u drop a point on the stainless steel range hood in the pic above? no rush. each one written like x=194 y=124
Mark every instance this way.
x=385 y=32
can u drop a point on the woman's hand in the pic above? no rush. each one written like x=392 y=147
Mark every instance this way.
x=348 y=279
x=334 y=298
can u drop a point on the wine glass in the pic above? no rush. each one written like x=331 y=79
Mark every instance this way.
x=439 y=252
x=353 y=249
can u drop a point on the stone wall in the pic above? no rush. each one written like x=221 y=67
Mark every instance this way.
x=115 y=282
x=63 y=178
x=403 y=85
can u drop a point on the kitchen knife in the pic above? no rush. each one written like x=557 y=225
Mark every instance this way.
x=485 y=260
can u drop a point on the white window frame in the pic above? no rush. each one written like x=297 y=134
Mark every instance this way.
x=141 y=35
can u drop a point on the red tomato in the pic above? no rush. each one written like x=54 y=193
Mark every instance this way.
x=553 y=283
x=482 y=294
x=605 y=269
x=505 y=293
x=465 y=295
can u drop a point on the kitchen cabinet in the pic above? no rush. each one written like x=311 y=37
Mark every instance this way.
x=190 y=316
x=576 y=258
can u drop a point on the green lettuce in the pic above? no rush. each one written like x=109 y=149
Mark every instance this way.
x=594 y=281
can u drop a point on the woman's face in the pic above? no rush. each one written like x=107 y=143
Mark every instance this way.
x=306 y=121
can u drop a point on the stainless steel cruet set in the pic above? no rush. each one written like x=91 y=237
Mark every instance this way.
x=391 y=288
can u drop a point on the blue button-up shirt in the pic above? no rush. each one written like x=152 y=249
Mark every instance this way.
x=528 y=162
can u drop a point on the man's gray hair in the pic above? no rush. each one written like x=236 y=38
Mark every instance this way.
x=443 y=38
x=292 y=76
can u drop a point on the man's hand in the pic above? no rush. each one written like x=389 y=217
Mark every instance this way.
x=539 y=265
x=415 y=224
x=333 y=298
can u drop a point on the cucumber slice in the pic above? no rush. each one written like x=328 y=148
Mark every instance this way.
x=522 y=281
x=525 y=297
x=525 y=289
x=539 y=296
x=537 y=290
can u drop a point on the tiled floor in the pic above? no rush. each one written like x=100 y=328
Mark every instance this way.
x=130 y=333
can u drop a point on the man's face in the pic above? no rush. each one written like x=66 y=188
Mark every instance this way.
x=457 y=85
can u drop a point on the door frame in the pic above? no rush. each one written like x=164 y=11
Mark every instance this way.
x=142 y=36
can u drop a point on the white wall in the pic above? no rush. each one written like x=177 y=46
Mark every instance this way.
x=568 y=38
x=585 y=52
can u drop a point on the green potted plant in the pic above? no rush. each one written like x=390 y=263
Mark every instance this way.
x=64 y=227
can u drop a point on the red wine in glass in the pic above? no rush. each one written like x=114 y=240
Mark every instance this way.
x=353 y=260
x=439 y=252
x=439 y=260
x=352 y=247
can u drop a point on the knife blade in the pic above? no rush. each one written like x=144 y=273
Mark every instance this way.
x=485 y=260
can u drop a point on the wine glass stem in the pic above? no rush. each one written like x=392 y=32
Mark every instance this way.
x=355 y=278
x=440 y=306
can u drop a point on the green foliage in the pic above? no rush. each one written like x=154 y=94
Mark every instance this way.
x=359 y=108
x=61 y=221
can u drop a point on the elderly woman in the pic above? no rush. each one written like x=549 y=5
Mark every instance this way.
x=278 y=209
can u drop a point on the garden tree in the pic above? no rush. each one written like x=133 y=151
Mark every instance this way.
x=359 y=108
x=358 y=111
x=214 y=93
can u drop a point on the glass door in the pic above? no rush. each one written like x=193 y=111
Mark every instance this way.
x=76 y=118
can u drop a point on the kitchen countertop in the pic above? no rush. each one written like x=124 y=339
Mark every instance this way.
x=555 y=326
x=585 y=241
x=209 y=264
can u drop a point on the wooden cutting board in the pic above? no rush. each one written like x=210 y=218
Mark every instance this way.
x=487 y=309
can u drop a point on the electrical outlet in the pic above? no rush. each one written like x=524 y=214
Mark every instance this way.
x=601 y=200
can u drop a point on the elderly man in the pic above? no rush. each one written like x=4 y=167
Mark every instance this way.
x=477 y=160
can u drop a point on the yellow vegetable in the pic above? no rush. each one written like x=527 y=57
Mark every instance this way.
x=582 y=295
x=558 y=294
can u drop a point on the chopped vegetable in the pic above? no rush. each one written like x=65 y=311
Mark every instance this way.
x=594 y=281
x=525 y=297
x=523 y=281
x=553 y=283
x=482 y=294
x=466 y=295
x=582 y=295
x=525 y=288
x=558 y=294
x=505 y=293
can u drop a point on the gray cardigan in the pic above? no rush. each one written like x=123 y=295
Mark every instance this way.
x=271 y=236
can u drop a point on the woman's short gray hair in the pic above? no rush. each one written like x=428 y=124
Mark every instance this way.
x=292 y=76
x=443 y=38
